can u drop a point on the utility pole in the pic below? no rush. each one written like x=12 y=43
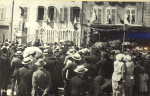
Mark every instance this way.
x=12 y=20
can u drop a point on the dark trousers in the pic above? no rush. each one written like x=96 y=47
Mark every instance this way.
x=67 y=90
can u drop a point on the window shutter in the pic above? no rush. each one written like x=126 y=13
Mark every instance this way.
x=2 y=13
x=99 y=15
x=66 y=14
x=37 y=13
x=71 y=14
x=37 y=33
x=108 y=11
x=45 y=14
x=113 y=15
x=25 y=13
x=61 y=14
x=55 y=15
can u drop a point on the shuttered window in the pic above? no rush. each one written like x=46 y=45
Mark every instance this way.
x=111 y=14
x=131 y=13
x=64 y=14
x=25 y=13
x=2 y=13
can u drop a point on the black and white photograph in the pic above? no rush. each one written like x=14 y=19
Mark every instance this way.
x=74 y=48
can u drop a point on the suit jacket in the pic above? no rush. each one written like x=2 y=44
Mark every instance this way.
x=41 y=81
x=94 y=59
x=77 y=85
x=24 y=80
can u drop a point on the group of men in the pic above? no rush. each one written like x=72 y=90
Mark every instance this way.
x=80 y=71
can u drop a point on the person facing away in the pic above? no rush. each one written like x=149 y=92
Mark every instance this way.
x=41 y=80
x=78 y=83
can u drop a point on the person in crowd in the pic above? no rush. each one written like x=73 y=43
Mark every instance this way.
x=138 y=64
x=143 y=83
x=103 y=70
x=16 y=63
x=5 y=72
x=118 y=76
x=24 y=78
x=129 y=77
x=96 y=56
x=146 y=65
x=76 y=58
x=51 y=68
x=78 y=83
x=41 y=80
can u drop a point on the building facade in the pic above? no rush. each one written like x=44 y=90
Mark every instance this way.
x=107 y=19
x=5 y=20
x=49 y=21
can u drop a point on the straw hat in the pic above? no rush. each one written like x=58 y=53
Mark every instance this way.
x=80 y=69
x=18 y=53
x=45 y=51
x=127 y=58
x=76 y=56
x=27 y=60
x=40 y=62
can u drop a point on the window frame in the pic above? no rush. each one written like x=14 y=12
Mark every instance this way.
x=111 y=15
x=131 y=8
x=4 y=13
x=49 y=7
x=97 y=8
x=38 y=13
x=72 y=15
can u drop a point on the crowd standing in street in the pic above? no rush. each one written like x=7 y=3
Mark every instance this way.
x=40 y=69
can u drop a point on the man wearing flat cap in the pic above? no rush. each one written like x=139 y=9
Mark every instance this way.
x=24 y=78
x=41 y=80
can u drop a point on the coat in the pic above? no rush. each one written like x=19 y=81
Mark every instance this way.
x=94 y=59
x=24 y=80
x=77 y=85
x=41 y=81
x=50 y=66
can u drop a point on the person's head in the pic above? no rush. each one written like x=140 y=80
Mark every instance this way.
x=120 y=57
x=27 y=62
x=18 y=54
x=40 y=62
x=80 y=70
x=76 y=58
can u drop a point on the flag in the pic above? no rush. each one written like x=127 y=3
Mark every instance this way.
x=126 y=19
x=109 y=18
x=22 y=11
x=75 y=21
x=94 y=16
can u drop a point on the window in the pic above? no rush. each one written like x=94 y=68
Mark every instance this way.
x=111 y=15
x=64 y=14
x=75 y=13
x=131 y=15
x=2 y=13
x=51 y=13
x=25 y=16
x=40 y=13
x=97 y=11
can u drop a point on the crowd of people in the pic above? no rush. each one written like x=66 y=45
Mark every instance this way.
x=80 y=71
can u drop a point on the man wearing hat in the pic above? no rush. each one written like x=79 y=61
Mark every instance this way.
x=146 y=65
x=76 y=58
x=51 y=67
x=4 y=70
x=41 y=80
x=16 y=63
x=78 y=83
x=24 y=78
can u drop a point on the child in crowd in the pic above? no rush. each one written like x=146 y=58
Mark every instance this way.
x=143 y=83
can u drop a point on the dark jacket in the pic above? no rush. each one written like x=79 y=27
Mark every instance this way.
x=94 y=59
x=77 y=85
x=24 y=80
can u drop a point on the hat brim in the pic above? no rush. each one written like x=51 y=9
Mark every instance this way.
x=27 y=63
x=39 y=64
x=77 y=71
x=76 y=58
